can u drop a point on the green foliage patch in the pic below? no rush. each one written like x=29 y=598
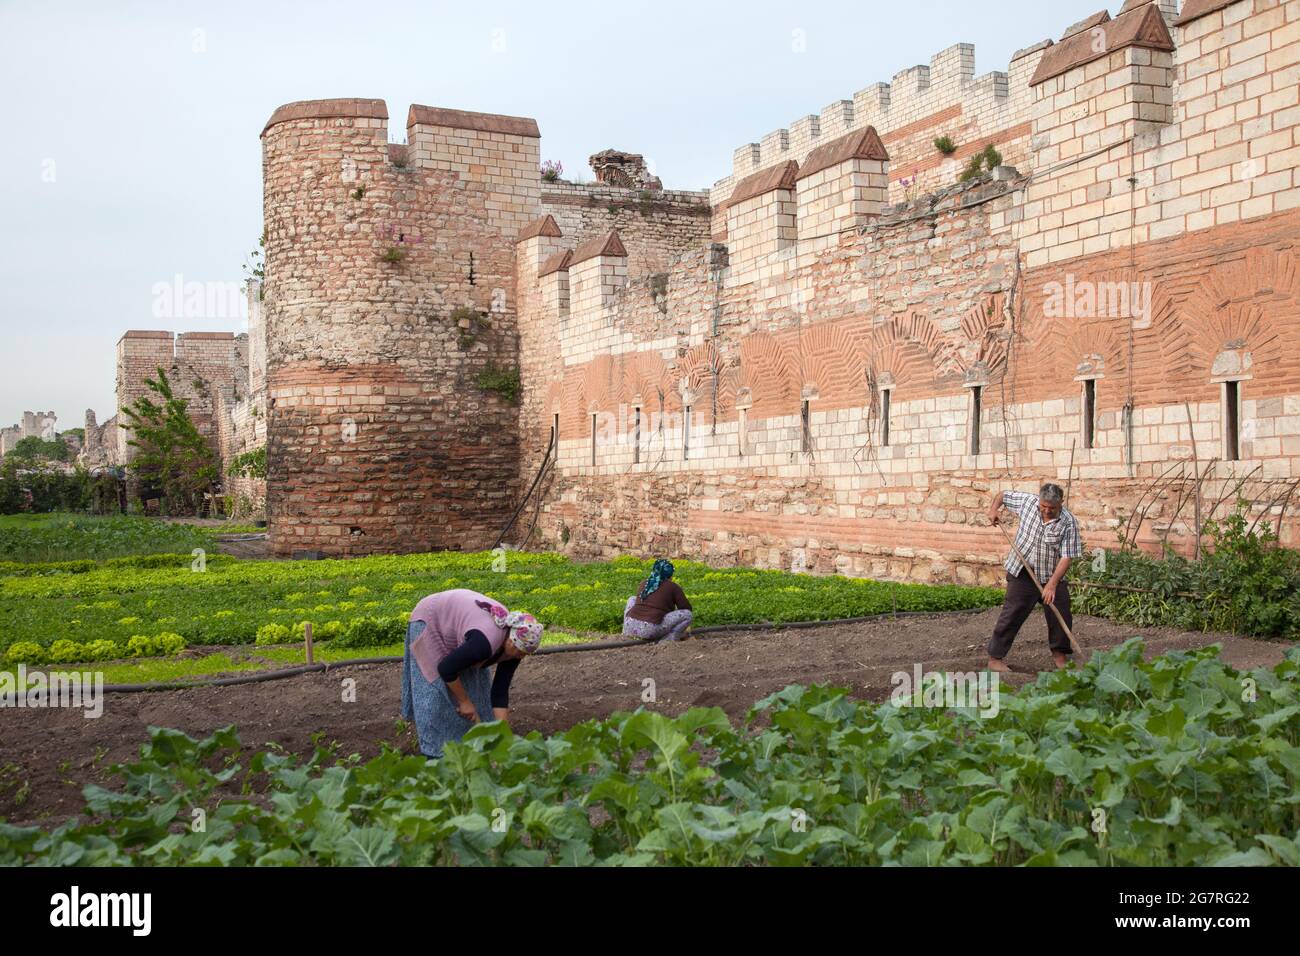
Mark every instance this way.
x=367 y=601
x=1120 y=763
x=1244 y=584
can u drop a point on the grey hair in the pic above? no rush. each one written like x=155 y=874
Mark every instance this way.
x=1051 y=493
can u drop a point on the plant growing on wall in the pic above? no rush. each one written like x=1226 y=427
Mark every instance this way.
x=909 y=186
x=398 y=243
x=945 y=145
x=987 y=160
x=255 y=267
x=172 y=456
x=502 y=380
x=469 y=324
x=552 y=170
x=251 y=464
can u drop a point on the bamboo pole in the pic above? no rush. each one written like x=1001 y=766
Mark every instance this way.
x=1196 y=461
x=1131 y=590
x=306 y=634
x=1069 y=481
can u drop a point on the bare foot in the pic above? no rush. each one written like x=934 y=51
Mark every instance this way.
x=999 y=666
x=1062 y=660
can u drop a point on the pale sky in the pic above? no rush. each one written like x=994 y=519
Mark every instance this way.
x=131 y=155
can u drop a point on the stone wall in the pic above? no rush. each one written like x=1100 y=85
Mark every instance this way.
x=1139 y=272
x=100 y=449
x=656 y=226
x=210 y=371
x=33 y=425
x=198 y=366
x=389 y=291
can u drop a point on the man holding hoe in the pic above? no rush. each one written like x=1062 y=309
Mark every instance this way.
x=1046 y=542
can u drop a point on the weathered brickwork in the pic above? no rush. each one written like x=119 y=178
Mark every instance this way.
x=200 y=366
x=390 y=289
x=100 y=449
x=832 y=358
x=656 y=226
x=1138 y=271
x=920 y=105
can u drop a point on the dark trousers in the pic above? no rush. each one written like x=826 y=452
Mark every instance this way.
x=1022 y=595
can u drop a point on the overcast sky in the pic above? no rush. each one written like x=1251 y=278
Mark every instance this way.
x=130 y=153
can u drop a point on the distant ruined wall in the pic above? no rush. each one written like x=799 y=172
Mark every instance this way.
x=206 y=369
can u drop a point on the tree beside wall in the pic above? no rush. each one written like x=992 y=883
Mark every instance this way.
x=173 y=460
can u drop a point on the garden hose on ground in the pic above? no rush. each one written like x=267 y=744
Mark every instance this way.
x=555 y=649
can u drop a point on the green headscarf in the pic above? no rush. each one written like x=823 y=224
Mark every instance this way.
x=659 y=573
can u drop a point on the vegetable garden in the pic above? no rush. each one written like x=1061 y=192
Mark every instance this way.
x=101 y=607
x=1122 y=762
x=1178 y=760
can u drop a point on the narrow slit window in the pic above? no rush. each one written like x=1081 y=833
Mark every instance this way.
x=976 y=408
x=743 y=429
x=686 y=434
x=806 y=418
x=1232 y=421
x=593 y=441
x=884 y=418
x=636 y=438
x=555 y=435
x=1090 y=413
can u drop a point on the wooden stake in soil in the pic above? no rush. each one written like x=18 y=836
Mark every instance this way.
x=306 y=634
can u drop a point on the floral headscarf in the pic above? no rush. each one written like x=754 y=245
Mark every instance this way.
x=525 y=630
x=659 y=573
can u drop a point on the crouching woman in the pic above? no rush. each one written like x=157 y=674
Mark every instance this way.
x=659 y=611
x=453 y=640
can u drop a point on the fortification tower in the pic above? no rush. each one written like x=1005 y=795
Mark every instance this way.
x=389 y=292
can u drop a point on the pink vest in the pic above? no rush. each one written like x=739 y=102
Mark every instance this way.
x=448 y=616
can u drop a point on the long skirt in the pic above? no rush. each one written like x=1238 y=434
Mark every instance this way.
x=431 y=705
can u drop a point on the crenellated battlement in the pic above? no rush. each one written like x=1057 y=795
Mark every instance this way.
x=919 y=104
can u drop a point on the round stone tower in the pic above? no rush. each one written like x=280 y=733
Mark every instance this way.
x=389 y=305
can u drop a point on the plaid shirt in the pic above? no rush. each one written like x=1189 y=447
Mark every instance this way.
x=1043 y=545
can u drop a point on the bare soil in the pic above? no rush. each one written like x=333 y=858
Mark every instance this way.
x=47 y=756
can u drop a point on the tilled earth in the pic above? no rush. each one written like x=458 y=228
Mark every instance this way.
x=47 y=756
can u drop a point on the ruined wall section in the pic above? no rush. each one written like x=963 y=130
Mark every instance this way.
x=100 y=449
x=390 y=290
x=198 y=366
x=655 y=226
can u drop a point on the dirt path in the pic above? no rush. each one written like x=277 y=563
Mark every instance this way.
x=46 y=756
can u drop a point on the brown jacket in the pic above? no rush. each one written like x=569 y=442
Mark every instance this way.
x=667 y=597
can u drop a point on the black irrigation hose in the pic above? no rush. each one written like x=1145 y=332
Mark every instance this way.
x=556 y=649
x=245 y=679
